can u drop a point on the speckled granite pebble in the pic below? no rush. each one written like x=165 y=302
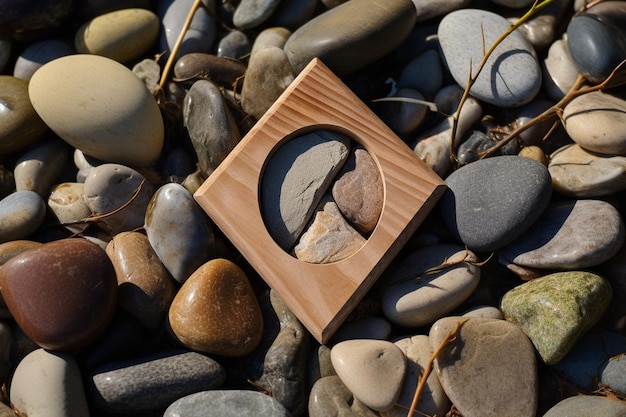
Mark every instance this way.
x=231 y=403
x=153 y=382
x=557 y=309
x=491 y=202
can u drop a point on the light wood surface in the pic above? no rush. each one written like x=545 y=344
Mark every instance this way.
x=320 y=295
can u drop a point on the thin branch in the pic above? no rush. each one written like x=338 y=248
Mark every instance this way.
x=431 y=106
x=421 y=383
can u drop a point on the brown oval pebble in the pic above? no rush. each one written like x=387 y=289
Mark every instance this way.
x=62 y=294
x=222 y=71
x=145 y=288
x=216 y=311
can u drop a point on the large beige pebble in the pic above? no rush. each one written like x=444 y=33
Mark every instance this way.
x=100 y=107
x=595 y=121
x=123 y=35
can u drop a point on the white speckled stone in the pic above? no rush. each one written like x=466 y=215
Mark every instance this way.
x=512 y=76
x=578 y=173
x=490 y=370
x=48 y=384
x=595 y=121
x=100 y=107
x=373 y=370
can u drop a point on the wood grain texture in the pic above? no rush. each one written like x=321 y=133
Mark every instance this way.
x=323 y=295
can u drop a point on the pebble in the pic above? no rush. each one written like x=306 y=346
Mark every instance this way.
x=373 y=370
x=597 y=45
x=13 y=248
x=222 y=71
x=416 y=297
x=578 y=173
x=352 y=35
x=212 y=137
x=404 y=117
x=267 y=76
x=19 y=123
x=295 y=180
x=122 y=35
x=21 y=214
x=592 y=121
x=67 y=203
x=108 y=187
x=479 y=142
x=274 y=36
x=216 y=311
x=423 y=73
x=486 y=312
x=587 y=406
x=21 y=21
x=511 y=76
x=279 y=364
x=329 y=396
x=557 y=309
x=153 y=382
x=292 y=14
x=328 y=238
x=251 y=13
x=178 y=231
x=145 y=288
x=235 y=44
x=38 y=54
x=433 y=400
x=226 y=403
x=48 y=384
x=73 y=270
x=571 y=234
x=560 y=72
x=480 y=373
x=75 y=98
x=493 y=201
x=358 y=190
x=39 y=168
x=201 y=33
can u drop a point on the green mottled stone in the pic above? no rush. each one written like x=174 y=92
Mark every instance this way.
x=556 y=310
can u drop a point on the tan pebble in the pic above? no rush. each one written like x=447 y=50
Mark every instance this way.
x=216 y=311
x=145 y=288
x=10 y=249
x=122 y=35
x=534 y=152
x=68 y=204
x=373 y=370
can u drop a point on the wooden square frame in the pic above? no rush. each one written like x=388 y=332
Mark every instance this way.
x=320 y=295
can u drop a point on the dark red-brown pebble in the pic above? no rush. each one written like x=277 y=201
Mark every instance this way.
x=222 y=71
x=62 y=294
